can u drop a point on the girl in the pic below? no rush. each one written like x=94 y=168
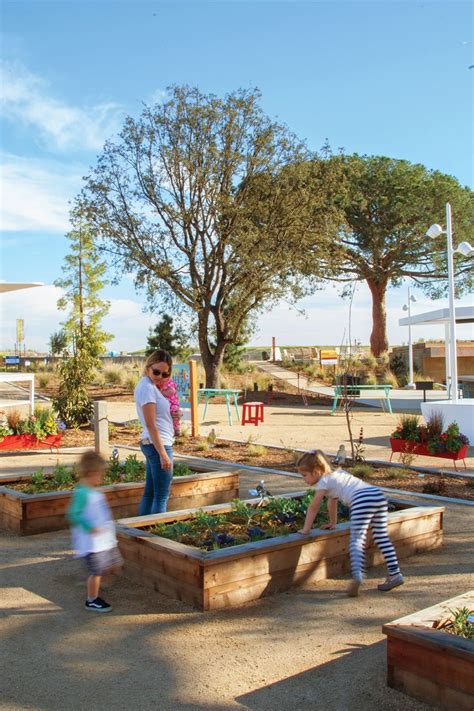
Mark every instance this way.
x=368 y=508
x=169 y=389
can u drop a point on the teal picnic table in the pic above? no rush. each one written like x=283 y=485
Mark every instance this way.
x=368 y=392
x=227 y=393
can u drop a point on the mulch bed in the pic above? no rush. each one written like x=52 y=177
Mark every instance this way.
x=238 y=453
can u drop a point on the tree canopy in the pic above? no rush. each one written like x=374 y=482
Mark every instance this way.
x=205 y=200
x=387 y=206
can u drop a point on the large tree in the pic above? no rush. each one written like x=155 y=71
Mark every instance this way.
x=388 y=205
x=204 y=200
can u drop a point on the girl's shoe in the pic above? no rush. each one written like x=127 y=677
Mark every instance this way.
x=393 y=581
x=353 y=589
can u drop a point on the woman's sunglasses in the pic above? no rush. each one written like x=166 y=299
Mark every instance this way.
x=164 y=374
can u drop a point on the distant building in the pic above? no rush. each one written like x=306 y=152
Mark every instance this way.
x=429 y=358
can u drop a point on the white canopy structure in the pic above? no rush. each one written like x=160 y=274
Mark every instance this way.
x=463 y=314
x=461 y=411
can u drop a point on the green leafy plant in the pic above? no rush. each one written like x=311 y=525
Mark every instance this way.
x=256 y=451
x=458 y=624
x=181 y=469
x=407 y=428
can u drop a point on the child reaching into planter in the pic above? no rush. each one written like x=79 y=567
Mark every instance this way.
x=368 y=507
x=169 y=390
x=93 y=529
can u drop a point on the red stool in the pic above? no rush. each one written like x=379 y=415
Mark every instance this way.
x=252 y=413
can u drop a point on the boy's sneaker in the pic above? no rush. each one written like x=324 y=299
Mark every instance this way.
x=393 y=581
x=98 y=605
x=353 y=589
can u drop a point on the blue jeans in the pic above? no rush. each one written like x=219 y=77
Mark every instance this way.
x=158 y=481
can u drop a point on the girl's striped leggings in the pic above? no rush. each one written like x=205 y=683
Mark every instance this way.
x=369 y=508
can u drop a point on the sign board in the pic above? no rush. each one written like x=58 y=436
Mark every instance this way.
x=12 y=360
x=185 y=377
x=181 y=376
x=328 y=357
x=20 y=330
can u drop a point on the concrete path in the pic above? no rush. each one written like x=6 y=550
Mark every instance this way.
x=401 y=400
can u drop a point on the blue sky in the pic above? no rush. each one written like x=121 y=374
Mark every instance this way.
x=380 y=77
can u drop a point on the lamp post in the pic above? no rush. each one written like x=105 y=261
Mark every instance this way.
x=407 y=307
x=466 y=250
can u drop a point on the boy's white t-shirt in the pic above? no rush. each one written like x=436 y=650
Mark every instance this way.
x=341 y=485
x=146 y=392
x=97 y=514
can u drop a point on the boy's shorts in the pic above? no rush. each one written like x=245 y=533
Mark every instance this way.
x=100 y=563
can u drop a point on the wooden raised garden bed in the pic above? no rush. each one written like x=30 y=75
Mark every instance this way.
x=224 y=578
x=432 y=665
x=421 y=449
x=37 y=513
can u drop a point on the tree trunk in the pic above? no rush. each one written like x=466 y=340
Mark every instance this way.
x=378 y=337
x=212 y=362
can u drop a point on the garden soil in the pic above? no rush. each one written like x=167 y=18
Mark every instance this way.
x=309 y=648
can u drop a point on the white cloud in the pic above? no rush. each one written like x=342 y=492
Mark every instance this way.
x=26 y=98
x=36 y=194
x=327 y=319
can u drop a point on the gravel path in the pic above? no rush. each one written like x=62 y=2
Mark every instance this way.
x=311 y=648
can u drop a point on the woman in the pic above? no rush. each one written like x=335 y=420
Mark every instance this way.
x=157 y=434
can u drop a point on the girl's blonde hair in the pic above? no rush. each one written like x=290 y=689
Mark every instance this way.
x=159 y=356
x=314 y=461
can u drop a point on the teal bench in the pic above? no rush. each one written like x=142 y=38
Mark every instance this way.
x=366 y=392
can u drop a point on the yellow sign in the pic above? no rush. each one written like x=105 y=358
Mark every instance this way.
x=20 y=330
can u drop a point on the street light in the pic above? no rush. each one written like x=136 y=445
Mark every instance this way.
x=407 y=307
x=466 y=250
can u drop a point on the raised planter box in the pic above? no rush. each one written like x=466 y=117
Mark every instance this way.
x=227 y=577
x=403 y=445
x=431 y=665
x=37 y=513
x=12 y=443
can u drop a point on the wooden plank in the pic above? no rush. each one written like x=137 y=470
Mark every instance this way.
x=447 y=670
x=429 y=691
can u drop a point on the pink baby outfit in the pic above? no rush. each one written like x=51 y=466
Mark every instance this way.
x=169 y=390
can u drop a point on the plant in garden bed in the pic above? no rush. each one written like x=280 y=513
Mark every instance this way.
x=40 y=425
x=431 y=435
x=460 y=623
x=245 y=523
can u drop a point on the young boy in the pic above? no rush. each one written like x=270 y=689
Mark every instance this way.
x=93 y=529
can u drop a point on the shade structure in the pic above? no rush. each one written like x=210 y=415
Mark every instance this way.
x=6 y=286
x=462 y=314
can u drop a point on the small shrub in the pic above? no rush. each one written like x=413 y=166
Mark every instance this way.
x=362 y=471
x=369 y=361
x=113 y=376
x=202 y=446
x=14 y=417
x=369 y=379
x=131 y=382
x=396 y=473
x=43 y=381
x=256 y=451
x=181 y=469
x=389 y=378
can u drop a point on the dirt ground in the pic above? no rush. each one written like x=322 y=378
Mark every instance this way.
x=310 y=648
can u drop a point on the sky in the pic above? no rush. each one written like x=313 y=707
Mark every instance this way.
x=377 y=78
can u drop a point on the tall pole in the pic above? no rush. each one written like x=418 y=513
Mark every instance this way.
x=411 y=384
x=452 y=312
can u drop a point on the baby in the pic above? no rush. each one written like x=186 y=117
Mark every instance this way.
x=169 y=390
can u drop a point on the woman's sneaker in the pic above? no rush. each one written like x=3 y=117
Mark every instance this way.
x=98 y=605
x=393 y=581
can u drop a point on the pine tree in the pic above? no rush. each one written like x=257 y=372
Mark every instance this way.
x=167 y=337
x=83 y=279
